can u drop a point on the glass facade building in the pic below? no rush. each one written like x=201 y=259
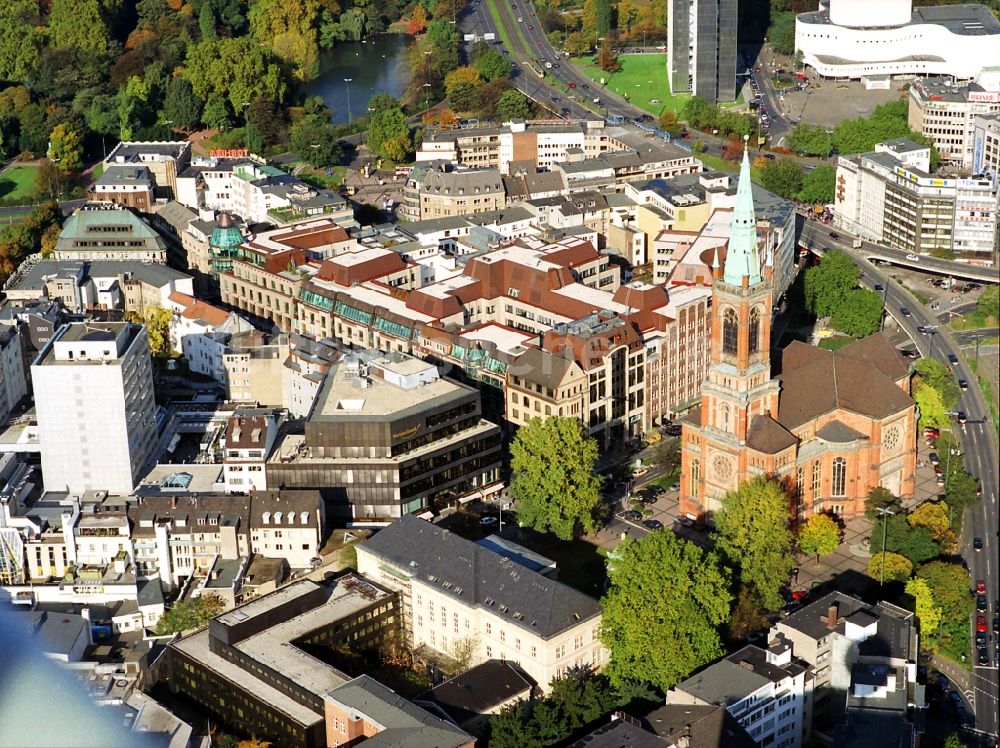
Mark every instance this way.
x=702 y=48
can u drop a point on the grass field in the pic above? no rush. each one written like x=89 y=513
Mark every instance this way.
x=642 y=80
x=17 y=182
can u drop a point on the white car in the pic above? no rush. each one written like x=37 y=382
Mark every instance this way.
x=520 y=20
x=913 y=258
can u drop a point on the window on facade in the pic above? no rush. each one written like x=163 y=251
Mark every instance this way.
x=817 y=479
x=754 y=330
x=695 y=476
x=730 y=331
x=839 y=482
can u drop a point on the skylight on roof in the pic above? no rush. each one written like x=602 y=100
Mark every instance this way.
x=176 y=480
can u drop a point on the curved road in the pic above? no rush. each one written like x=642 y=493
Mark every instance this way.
x=978 y=438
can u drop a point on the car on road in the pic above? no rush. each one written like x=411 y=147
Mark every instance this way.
x=981 y=603
x=520 y=20
x=924 y=329
x=981 y=623
x=962 y=418
x=980 y=638
x=572 y=84
x=685 y=521
x=911 y=353
x=977 y=544
x=983 y=657
x=933 y=458
x=996 y=624
x=631 y=516
x=952 y=359
x=652 y=524
x=834 y=235
x=980 y=586
x=913 y=258
x=879 y=287
x=963 y=385
x=904 y=311
x=530 y=27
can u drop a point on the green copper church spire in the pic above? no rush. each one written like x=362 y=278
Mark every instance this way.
x=742 y=258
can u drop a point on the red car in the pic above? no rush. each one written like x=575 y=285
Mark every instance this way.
x=980 y=587
x=572 y=85
x=931 y=433
x=798 y=595
x=981 y=624
x=530 y=27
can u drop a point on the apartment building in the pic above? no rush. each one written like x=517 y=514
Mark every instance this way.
x=388 y=436
x=128 y=186
x=269 y=666
x=767 y=692
x=837 y=633
x=95 y=373
x=458 y=193
x=945 y=111
x=252 y=363
x=455 y=593
x=889 y=196
x=201 y=332
x=309 y=360
x=163 y=160
x=104 y=231
x=250 y=437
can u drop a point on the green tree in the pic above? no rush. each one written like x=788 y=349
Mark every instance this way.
x=669 y=123
x=746 y=617
x=65 y=149
x=492 y=65
x=934 y=516
x=512 y=727
x=932 y=410
x=811 y=140
x=699 y=113
x=79 y=24
x=954 y=740
x=131 y=100
x=938 y=376
x=554 y=483
x=781 y=33
x=881 y=498
x=666 y=600
x=20 y=39
x=189 y=614
x=928 y=614
x=181 y=107
x=820 y=535
x=513 y=105
x=157 y=322
x=828 y=284
x=386 y=130
x=818 y=185
x=859 y=314
x=315 y=142
x=237 y=69
x=577 y=44
x=949 y=584
x=752 y=531
x=782 y=177
x=549 y=723
x=216 y=113
x=897 y=567
x=916 y=543
x=888 y=121
x=581 y=696
x=289 y=28
x=206 y=21
x=989 y=302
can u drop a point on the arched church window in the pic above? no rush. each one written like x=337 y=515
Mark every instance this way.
x=839 y=477
x=695 y=477
x=730 y=332
x=724 y=420
x=754 y=329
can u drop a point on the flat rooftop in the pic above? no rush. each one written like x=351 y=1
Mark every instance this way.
x=505 y=338
x=962 y=20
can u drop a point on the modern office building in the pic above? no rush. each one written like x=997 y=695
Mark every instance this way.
x=93 y=388
x=860 y=38
x=388 y=436
x=266 y=667
x=457 y=595
x=13 y=379
x=945 y=110
x=702 y=48
x=986 y=145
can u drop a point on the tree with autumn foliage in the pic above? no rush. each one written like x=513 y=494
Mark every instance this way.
x=418 y=21
x=607 y=60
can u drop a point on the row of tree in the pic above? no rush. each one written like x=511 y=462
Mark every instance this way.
x=702 y=115
x=787 y=178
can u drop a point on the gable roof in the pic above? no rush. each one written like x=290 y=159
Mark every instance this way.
x=478 y=576
x=481 y=689
x=880 y=353
x=768 y=436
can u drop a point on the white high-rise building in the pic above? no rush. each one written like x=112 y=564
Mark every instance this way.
x=94 y=402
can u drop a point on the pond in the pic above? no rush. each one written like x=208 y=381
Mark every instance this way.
x=373 y=66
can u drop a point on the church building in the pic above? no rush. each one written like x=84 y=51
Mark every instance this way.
x=831 y=427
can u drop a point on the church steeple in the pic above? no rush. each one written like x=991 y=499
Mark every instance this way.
x=742 y=257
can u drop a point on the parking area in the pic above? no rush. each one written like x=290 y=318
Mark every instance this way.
x=827 y=102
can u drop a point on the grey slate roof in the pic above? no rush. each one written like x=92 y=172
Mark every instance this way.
x=475 y=575
x=153 y=274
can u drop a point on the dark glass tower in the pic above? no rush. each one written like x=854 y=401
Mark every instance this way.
x=703 y=48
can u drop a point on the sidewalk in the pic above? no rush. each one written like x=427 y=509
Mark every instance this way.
x=956 y=674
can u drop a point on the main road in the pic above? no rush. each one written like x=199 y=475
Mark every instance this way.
x=978 y=438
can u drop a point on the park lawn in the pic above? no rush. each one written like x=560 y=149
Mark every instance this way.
x=642 y=79
x=17 y=182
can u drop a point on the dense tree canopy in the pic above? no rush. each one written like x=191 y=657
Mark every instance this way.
x=752 y=532
x=666 y=601
x=818 y=185
x=819 y=534
x=554 y=484
x=782 y=176
x=828 y=285
x=859 y=314
x=897 y=568
x=188 y=614
x=811 y=140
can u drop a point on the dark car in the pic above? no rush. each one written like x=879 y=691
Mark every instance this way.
x=977 y=544
x=657 y=490
x=984 y=656
x=980 y=638
x=879 y=287
x=653 y=524
x=981 y=603
x=632 y=516
x=834 y=235
x=905 y=311
x=933 y=458
x=996 y=624
x=963 y=385
x=952 y=358
x=962 y=418
x=685 y=521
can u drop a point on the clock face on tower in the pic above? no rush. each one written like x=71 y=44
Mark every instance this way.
x=722 y=466
x=891 y=439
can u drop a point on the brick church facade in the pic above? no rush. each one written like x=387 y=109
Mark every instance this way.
x=831 y=427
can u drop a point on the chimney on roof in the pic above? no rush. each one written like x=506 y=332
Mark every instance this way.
x=173 y=502
x=831 y=615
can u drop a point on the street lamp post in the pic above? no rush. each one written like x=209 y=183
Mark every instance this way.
x=885 y=525
x=427 y=96
x=348 y=82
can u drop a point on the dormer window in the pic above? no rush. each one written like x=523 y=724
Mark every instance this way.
x=266 y=518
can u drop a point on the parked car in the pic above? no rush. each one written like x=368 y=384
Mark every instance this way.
x=904 y=311
x=983 y=657
x=981 y=603
x=913 y=258
x=685 y=521
x=632 y=516
x=962 y=418
x=980 y=586
x=834 y=235
x=654 y=524
x=488 y=521
x=952 y=358
x=981 y=623
x=933 y=458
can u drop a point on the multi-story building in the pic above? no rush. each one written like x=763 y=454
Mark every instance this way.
x=889 y=196
x=13 y=382
x=164 y=160
x=268 y=667
x=945 y=111
x=458 y=193
x=128 y=186
x=456 y=595
x=843 y=640
x=201 y=333
x=836 y=426
x=94 y=400
x=252 y=363
x=986 y=145
x=104 y=231
x=702 y=42
x=250 y=437
x=304 y=371
x=388 y=436
x=767 y=691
